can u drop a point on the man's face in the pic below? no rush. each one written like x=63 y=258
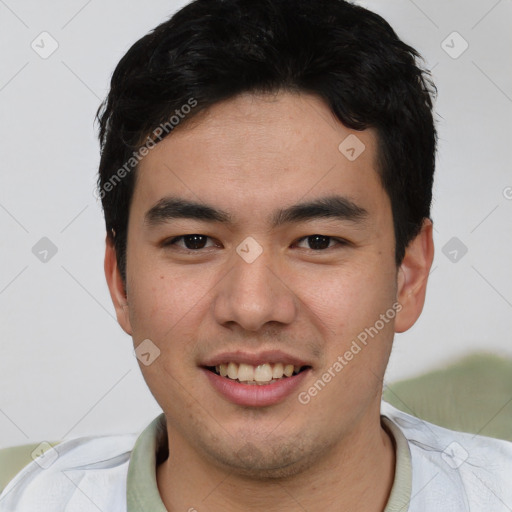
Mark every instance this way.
x=303 y=299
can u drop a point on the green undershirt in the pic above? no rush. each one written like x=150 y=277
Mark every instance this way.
x=151 y=449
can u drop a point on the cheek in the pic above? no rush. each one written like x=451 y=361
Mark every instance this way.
x=358 y=339
x=165 y=301
x=155 y=302
x=347 y=300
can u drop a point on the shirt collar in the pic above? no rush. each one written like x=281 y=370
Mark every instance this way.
x=151 y=448
x=142 y=488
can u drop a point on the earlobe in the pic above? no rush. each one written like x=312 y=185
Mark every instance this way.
x=116 y=286
x=413 y=276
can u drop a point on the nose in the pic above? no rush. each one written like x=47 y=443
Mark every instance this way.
x=254 y=294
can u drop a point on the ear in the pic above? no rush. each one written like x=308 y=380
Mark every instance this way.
x=412 y=277
x=116 y=287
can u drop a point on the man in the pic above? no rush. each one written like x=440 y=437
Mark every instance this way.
x=266 y=178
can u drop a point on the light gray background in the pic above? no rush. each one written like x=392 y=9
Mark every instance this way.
x=67 y=369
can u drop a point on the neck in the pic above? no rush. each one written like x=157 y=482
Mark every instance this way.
x=355 y=474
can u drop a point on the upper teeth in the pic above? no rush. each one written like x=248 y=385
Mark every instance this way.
x=261 y=373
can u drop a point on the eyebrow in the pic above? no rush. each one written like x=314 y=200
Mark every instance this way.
x=330 y=207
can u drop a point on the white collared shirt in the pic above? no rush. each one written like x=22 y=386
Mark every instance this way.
x=437 y=470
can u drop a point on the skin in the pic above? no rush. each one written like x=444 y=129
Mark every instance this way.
x=252 y=155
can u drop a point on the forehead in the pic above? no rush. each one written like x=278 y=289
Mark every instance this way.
x=255 y=152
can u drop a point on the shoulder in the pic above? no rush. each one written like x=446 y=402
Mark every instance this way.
x=14 y=458
x=85 y=472
x=455 y=470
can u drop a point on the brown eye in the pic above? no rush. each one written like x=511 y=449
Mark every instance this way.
x=193 y=242
x=321 y=242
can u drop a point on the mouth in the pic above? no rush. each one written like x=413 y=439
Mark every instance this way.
x=257 y=375
x=256 y=379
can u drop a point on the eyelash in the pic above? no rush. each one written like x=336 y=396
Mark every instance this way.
x=172 y=242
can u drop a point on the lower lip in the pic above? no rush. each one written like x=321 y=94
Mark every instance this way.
x=253 y=394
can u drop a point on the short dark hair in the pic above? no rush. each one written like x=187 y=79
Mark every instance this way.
x=212 y=50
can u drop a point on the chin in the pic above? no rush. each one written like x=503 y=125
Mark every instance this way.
x=266 y=461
